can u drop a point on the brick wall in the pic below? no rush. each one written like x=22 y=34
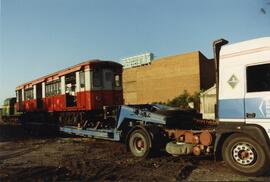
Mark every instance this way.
x=166 y=78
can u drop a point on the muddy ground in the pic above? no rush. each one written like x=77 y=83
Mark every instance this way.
x=24 y=157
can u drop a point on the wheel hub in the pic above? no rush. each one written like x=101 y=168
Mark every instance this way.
x=244 y=154
x=139 y=144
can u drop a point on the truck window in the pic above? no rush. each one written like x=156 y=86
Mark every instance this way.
x=258 y=78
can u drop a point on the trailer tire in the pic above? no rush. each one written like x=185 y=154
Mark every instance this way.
x=245 y=155
x=140 y=143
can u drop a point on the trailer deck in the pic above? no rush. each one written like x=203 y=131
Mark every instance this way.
x=107 y=134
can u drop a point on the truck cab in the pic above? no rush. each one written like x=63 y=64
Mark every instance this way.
x=244 y=105
x=244 y=93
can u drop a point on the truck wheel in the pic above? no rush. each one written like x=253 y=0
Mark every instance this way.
x=139 y=143
x=245 y=155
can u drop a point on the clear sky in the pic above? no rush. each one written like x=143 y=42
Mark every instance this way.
x=42 y=36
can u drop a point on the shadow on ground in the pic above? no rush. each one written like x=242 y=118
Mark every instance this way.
x=15 y=131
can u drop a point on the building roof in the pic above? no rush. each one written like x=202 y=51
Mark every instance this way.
x=211 y=91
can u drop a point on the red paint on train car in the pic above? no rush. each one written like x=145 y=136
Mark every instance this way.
x=102 y=98
x=19 y=107
x=59 y=102
x=90 y=100
x=84 y=100
x=30 y=105
x=54 y=103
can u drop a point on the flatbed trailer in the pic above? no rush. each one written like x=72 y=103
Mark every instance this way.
x=147 y=129
x=134 y=116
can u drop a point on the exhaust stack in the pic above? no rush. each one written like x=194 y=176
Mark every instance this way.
x=217 y=44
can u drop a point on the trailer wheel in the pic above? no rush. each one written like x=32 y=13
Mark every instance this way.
x=139 y=143
x=245 y=155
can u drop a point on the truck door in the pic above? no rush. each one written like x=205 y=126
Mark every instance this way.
x=257 y=97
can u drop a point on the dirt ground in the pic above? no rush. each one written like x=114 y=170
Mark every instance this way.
x=67 y=158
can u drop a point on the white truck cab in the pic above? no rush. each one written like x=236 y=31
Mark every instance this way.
x=243 y=108
x=244 y=89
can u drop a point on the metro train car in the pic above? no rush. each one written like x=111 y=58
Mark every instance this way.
x=72 y=95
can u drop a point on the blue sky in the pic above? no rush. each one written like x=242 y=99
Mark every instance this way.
x=42 y=36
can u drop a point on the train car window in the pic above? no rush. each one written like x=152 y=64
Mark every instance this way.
x=55 y=88
x=97 y=78
x=19 y=93
x=108 y=76
x=59 y=88
x=117 y=81
x=52 y=89
x=82 y=79
x=12 y=101
x=47 y=90
x=70 y=78
x=258 y=78
x=28 y=94
x=6 y=102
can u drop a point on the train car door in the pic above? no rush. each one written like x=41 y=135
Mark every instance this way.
x=71 y=96
x=81 y=94
x=39 y=96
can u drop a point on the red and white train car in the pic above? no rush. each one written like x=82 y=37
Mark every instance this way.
x=84 y=87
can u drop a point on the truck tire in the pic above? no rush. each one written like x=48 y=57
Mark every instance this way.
x=140 y=143
x=158 y=140
x=245 y=155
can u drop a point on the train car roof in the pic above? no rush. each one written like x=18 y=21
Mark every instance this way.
x=68 y=70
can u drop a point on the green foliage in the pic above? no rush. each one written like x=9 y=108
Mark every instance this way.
x=163 y=103
x=180 y=101
x=183 y=99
